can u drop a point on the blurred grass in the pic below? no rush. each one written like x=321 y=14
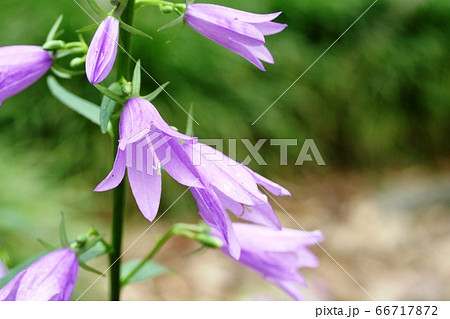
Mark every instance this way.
x=378 y=99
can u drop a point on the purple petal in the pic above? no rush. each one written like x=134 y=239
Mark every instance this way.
x=3 y=270
x=137 y=119
x=102 y=51
x=231 y=178
x=178 y=164
x=146 y=188
x=215 y=216
x=236 y=47
x=52 y=277
x=269 y=28
x=20 y=67
x=290 y=288
x=232 y=14
x=260 y=214
x=272 y=187
x=287 y=240
x=223 y=27
x=262 y=53
x=116 y=175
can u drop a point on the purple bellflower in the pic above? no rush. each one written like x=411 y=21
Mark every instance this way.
x=147 y=144
x=239 y=31
x=102 y=51
x=231 y=186
x=276 y=255
x=51 y=278
x=20 y=67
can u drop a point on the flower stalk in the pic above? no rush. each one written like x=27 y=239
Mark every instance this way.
x=123 y=70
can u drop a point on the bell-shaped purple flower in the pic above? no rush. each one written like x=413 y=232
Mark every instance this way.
x=239 y=31
x=51 y=278
x=147 y=144
x=102 y=50
x=276 y=255
x=20 y=67
x=231 y=186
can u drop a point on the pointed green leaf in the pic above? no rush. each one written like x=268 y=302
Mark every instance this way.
x=87 y=28
x=62 y=232
x=85 y=108
x=107 y=107
x=60 y=74
x=150 y=97
x=137 y=79
x=172 y=23
x=52 y=34
x=150 y=270
x=111 y=94
x=46 y=245
x=98 y=250
x=132 y=30
x=190 y=121
x=90 y=269
x=97 y=9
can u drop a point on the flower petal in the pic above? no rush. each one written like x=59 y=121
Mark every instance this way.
x=223 y=27
x=116 y=175
x=146 y=188
x=233 y=14
x=102 y=50
x=269 y=28
x=272 y=187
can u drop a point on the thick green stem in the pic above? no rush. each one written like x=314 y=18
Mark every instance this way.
x=123 y=70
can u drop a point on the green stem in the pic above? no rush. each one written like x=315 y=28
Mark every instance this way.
x=141 y=3
x=123 y=69
x=150 y=256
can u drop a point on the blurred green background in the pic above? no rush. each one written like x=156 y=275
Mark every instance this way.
x=377 y=102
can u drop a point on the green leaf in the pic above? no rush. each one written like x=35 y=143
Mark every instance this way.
x=172 y=23
x=60 y=74
x=52 y=34
x=132 y=30
x=62 y=232
x=97 y=9
x=109 y=93
x=85 y=108
x=107 y=107
x=190 y=121
x=13 y=272
x=150 y=97
x=149 y=270
x=98 y=250
x=87 y=28
x=89 y=268
x=137 y=79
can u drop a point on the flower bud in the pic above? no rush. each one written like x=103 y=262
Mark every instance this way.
x=54 y=45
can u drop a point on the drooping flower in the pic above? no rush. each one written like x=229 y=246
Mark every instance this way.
x=102 y=50
x=20 y=67
x=239 y=31
x=146 y=144
x=231 y=186
x=276 y=255
x=51 y=278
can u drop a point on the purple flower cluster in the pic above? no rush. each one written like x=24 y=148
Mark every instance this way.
x=219 y=185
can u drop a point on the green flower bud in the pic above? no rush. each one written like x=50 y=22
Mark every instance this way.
x=126 y=88
x=166 y=9
x=54 y=45
x=76 y=62
x=208 y=240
